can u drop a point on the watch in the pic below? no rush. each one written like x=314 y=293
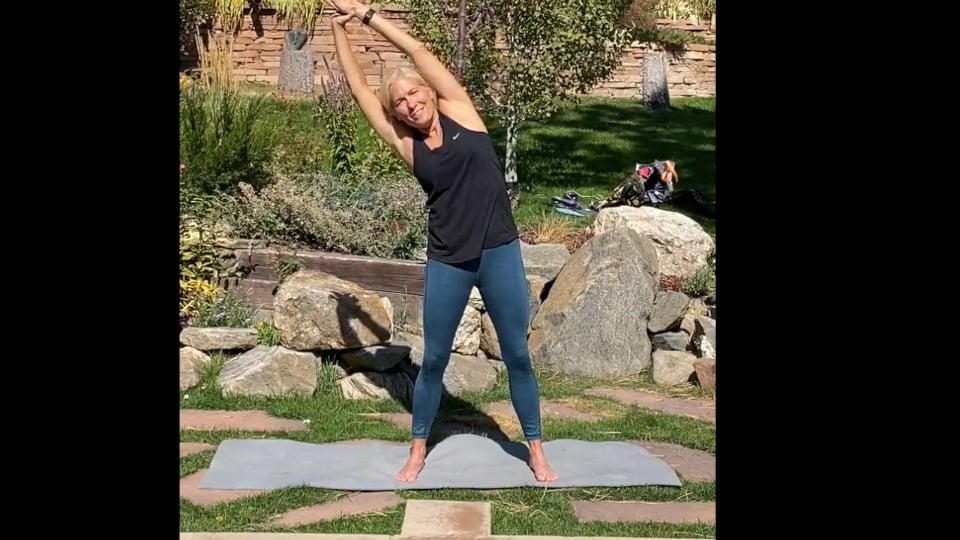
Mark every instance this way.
x=368 y=15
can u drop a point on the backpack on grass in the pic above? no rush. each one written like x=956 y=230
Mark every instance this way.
x=652 y=184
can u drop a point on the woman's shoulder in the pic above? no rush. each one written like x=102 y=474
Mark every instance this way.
x=465 y=116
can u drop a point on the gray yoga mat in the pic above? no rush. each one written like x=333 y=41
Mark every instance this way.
x=461 y=461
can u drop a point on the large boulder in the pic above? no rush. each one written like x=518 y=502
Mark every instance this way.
x=683 y=247
x=594 y=321
x=269 y=371
x=314 y=310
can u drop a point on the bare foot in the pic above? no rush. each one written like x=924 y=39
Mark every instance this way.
x=411 y=471
x=538 y=462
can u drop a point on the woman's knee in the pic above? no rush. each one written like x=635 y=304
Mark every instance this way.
x=434 y=364
x=515 y=354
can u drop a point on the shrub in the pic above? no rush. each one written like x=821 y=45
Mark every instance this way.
x=700 y=283
x=555 y=229
x=354 y=148
x=224 y=308
x=355 y=214
x=223 y=141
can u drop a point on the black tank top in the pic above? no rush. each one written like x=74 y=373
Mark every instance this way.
x=467 y=202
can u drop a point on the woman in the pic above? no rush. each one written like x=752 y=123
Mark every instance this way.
x=429 y=119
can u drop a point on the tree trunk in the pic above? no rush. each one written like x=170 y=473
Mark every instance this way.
x=510 y=159
x=656 y=91
x=296 y=64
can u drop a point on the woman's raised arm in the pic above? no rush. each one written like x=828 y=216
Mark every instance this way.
x=429 y=66
x=378 y=118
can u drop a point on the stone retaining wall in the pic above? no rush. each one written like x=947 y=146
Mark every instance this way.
x=257 y=55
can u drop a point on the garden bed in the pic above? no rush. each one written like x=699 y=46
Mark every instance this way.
x=264 y=268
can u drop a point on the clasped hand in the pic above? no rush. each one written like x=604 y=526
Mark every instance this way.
x=346 y=7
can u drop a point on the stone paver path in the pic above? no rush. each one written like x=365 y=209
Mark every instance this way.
x=478 y=425
x=349 y=505
x=190 y=490
x=548 y=409
x=691 y=464
x=288 y=536
x=337 y=536
x=190 y=448
x=425 y=520
x=498 y=422
x=634 y=511
x=205 y=420
x=503 y=414
x=446 y=519
x=694 y=408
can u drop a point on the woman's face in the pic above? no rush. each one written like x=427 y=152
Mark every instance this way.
x=412 y=103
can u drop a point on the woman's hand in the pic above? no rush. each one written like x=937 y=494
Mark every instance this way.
x=347 y=7
x=341 y=19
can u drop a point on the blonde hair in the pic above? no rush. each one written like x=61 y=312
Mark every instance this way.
x=397 y=74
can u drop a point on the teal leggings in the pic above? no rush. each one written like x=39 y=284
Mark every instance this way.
x=499 y=275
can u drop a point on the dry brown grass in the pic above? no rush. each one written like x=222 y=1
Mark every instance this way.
x=216 y=60
x=555 y=229
x=590 y=405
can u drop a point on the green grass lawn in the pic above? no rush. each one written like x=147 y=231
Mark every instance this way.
x=593 y=146
x=588 y=147
x=515 y=511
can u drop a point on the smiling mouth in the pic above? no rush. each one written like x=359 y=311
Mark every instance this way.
x=417 y=113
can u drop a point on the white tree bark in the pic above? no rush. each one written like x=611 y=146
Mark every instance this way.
x=510 y=159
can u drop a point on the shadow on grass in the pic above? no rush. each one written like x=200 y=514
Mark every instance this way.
x=598 y=142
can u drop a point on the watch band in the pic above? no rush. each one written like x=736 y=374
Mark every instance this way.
x=368 y=15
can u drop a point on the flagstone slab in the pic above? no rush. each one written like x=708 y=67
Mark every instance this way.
x=190 y=490
x=678 y=513
x=445 y=519
x=213 y=420
x=690 y=464
x=348 y=505
x=700 y=409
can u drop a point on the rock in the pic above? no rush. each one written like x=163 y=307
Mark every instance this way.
x=475 y=300
x=704 y=347
x=314 y=310
x=466 y=374
x=412 y=342
x=668 y=309
x=498 y=365
x=296 y=64
x=219 y=339
x=594 y=320
x=544 y=260
x=467 y=339
x=376 y=358
x=688 y=324
x=191 y=362
x=698 y=308
x=670 y=341
x=671 y=368
x=706 y=370
x=375 y=385
x=535 y=286
x=683 y=247
x=705 y=326
x=489 y=343
x=269 y=372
